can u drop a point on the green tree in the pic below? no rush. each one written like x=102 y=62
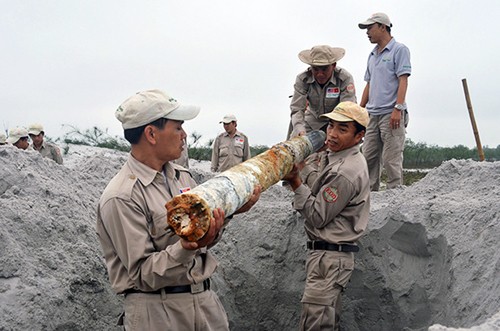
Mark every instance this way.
x=96 y=137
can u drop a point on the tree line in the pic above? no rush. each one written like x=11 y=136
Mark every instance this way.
x=416 y=155
x=423 y=156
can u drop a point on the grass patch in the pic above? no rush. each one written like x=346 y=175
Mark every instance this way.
x=409 y=177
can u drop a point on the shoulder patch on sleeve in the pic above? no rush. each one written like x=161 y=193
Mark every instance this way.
x=351 y=88
x=330 y=194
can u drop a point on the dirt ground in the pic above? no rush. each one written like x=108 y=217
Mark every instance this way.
x=429 y=261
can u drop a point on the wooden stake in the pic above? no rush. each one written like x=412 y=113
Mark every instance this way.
x=473 y=121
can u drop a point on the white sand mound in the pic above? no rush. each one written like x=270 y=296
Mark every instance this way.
x=431 y=255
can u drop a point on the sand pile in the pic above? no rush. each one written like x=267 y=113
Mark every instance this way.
x=430 y=257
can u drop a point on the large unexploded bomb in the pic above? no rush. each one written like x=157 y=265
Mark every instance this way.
x=189 y=213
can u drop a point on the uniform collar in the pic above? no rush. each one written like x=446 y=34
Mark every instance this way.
x=334 y=156
x=146 y=174
x=333 y=79
x=389 y=46
x=237 y=133
x=42 y=146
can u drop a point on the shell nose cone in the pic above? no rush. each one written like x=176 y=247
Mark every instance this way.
x=317 y=139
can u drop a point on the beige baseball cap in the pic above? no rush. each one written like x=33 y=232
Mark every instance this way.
x=376 y=18
x=16 y=133
x=228 y=118
x=145 y=107
x=349 y=111
x=321 y=55
x=3 y=138
x=35 y=129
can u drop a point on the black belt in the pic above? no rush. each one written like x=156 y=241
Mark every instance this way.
x=193 y=288
x=323 y=245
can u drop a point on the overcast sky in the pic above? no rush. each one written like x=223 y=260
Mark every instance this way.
x=73 y=62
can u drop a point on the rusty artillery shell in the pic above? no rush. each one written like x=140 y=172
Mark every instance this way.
x=189 y=213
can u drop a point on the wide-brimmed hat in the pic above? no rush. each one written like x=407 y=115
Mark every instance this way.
x=349 y=111
x=321 y=55
x=17 y=133
x=228 y=118
x=145 y=107
x=376 y=18
x=35 y=129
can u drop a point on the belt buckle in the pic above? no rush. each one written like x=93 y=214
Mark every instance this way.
x=197 y=288
x=313 y=245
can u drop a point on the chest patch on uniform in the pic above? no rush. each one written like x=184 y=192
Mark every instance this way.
x=185 y=189
x=350 y=88
x=330 y=194
x=332 y=92
x=239 y=140
x=386 y=59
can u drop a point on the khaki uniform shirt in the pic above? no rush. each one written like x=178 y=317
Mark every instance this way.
x=321 y=100
x=51 y=151
x=140 y=251
x=337 y=207
x=228 y=152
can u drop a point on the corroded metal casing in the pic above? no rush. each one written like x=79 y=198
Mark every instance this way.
x=190 y=213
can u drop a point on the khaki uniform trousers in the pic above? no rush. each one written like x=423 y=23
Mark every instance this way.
x=180 y=311
x=328 y=273
x=384 y=146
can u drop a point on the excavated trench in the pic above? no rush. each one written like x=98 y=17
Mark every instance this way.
x=430 y=256
x=401 y=280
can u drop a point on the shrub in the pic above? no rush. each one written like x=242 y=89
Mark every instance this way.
x=94 y=137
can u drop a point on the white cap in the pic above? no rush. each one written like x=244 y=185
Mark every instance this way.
x=35 y=129
x=16 y=133
x=228 y=118
x=376 y=18
x=145 y=107
x=3 y=138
